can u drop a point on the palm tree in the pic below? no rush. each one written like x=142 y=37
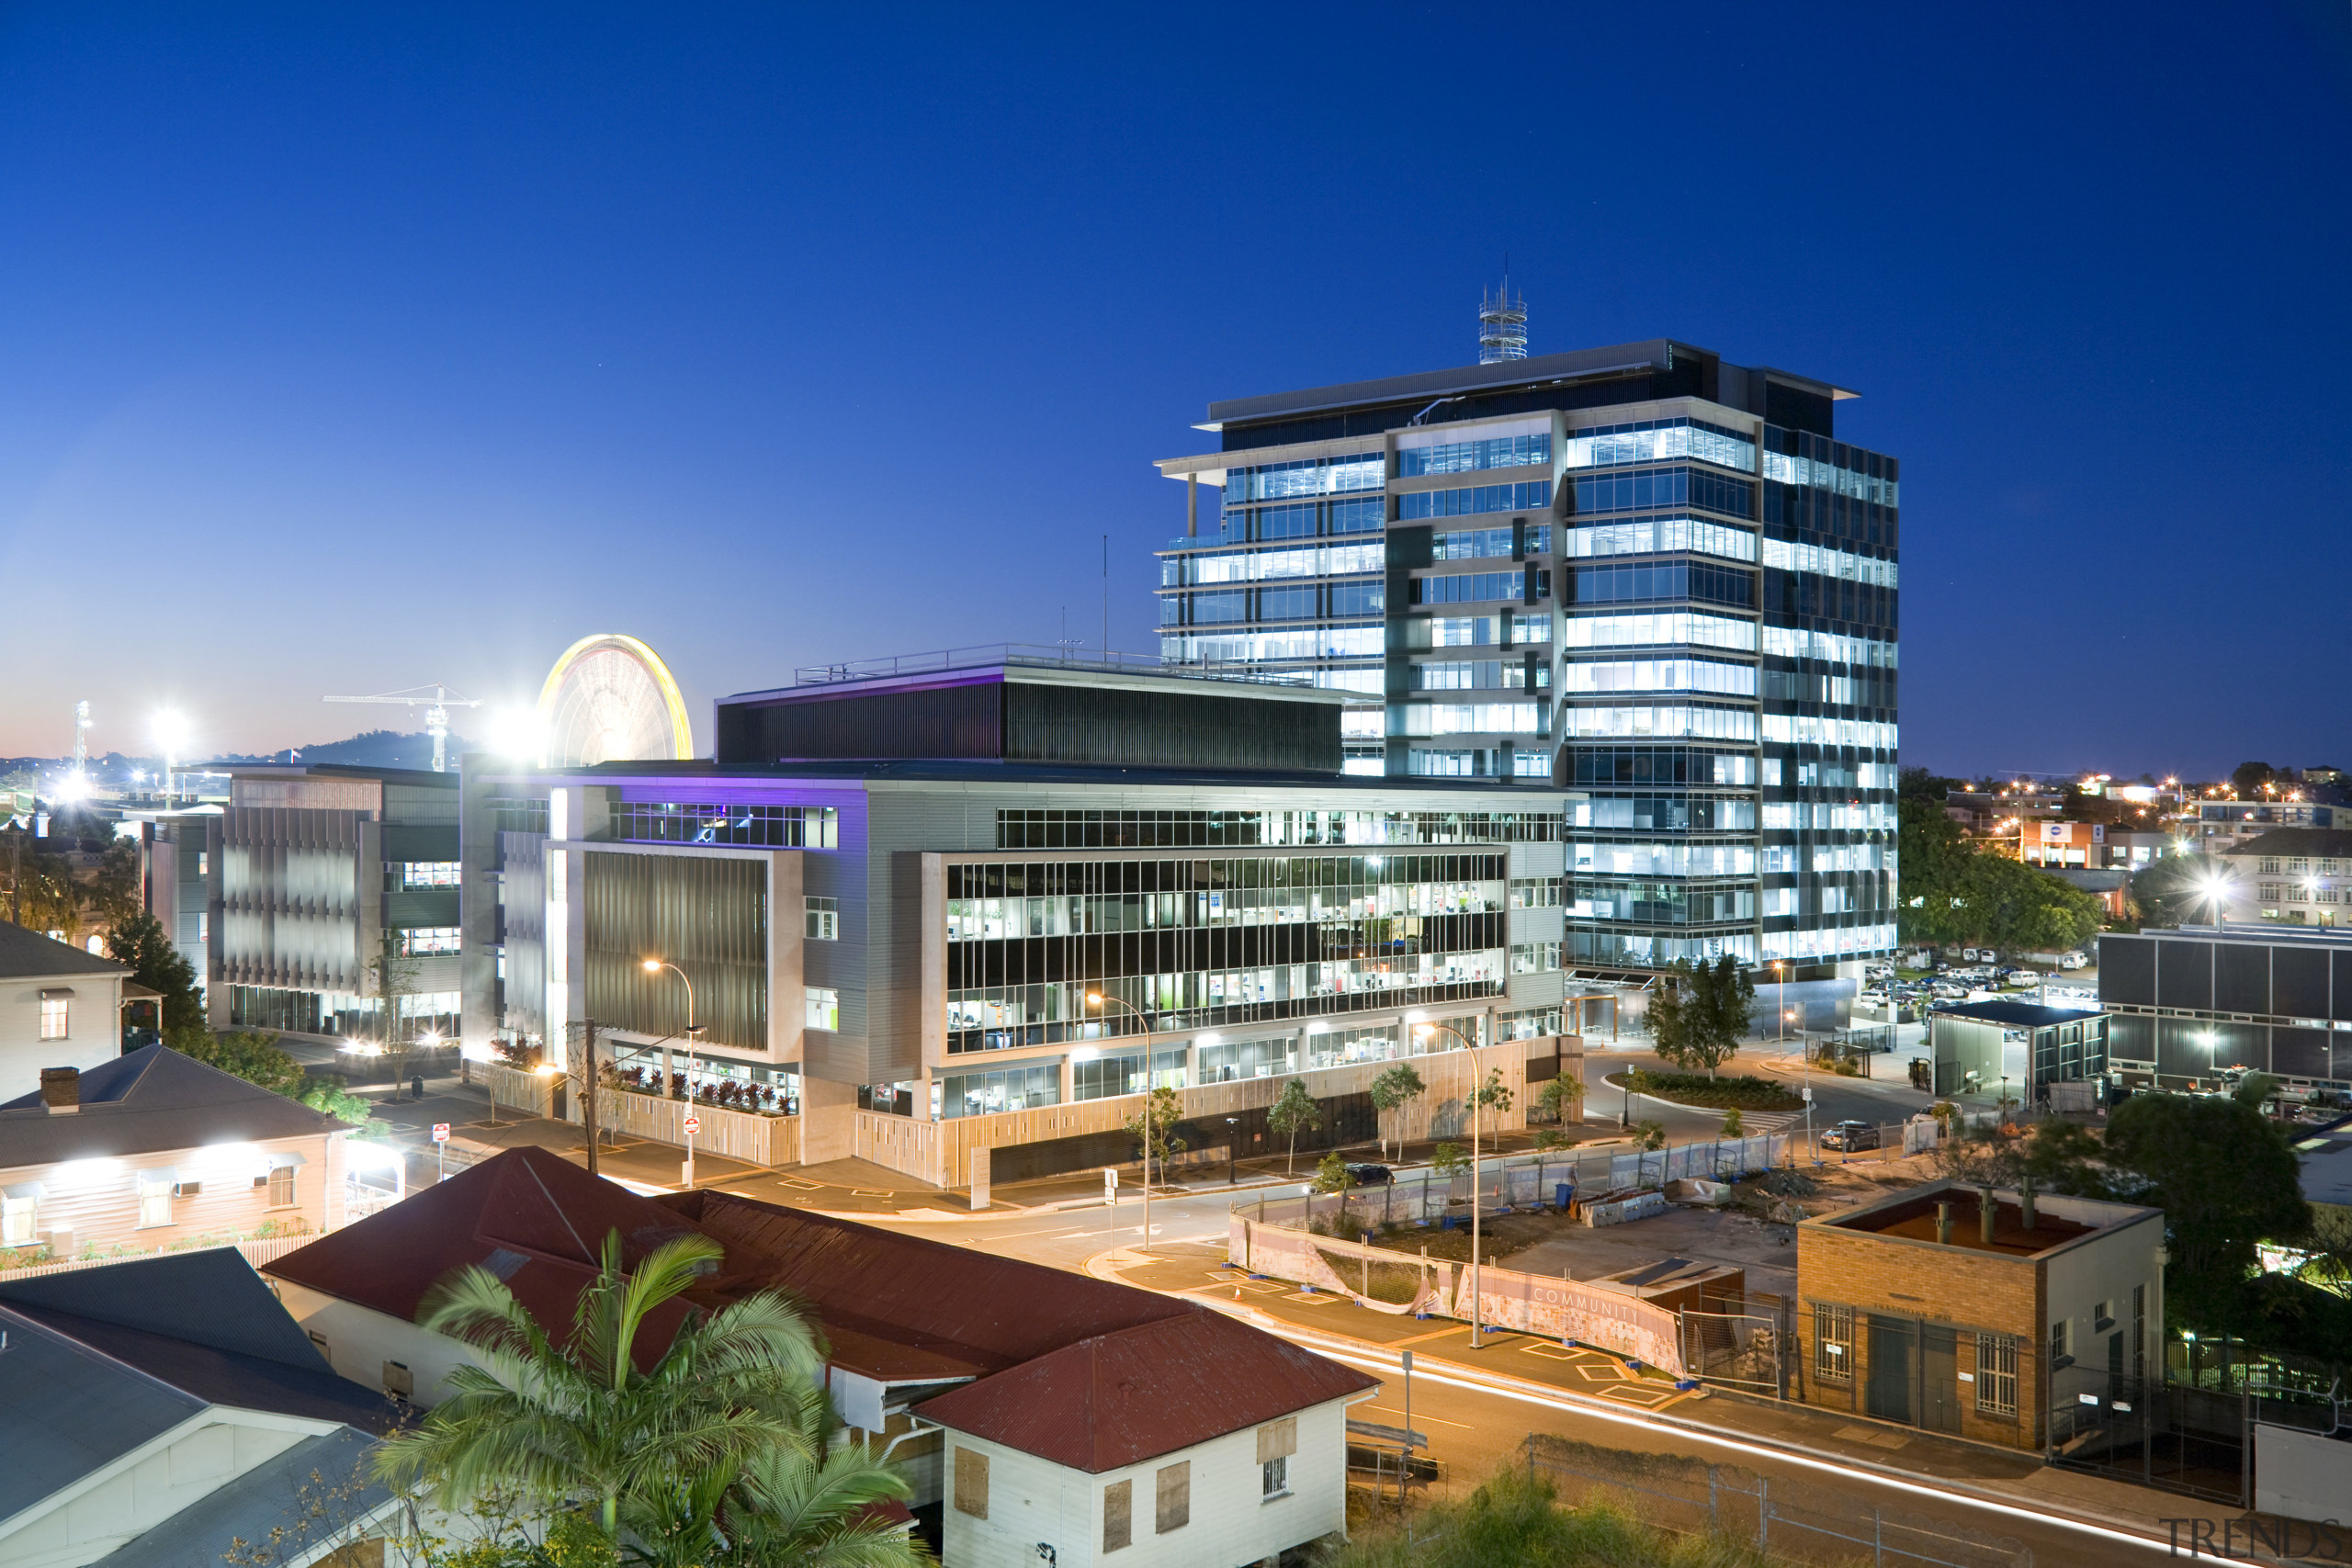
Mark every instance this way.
x=809 y=1506
x=563 y=1423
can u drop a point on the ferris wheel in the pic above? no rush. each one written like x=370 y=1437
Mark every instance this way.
x=611 y=699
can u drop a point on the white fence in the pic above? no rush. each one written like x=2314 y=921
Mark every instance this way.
x=1530 y=1304
x=1527 y=1181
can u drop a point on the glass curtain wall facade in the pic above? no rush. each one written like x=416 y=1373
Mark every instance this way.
x=1677 y=612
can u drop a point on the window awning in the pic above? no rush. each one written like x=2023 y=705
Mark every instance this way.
x=22 y=1190
x=279 y=1159
x=162 y=1176
x=56 y=993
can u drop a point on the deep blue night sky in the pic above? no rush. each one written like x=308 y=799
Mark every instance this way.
x=346 y=347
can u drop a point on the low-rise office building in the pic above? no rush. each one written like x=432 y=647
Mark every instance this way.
x=2191 y=1006
x=60 y=1007
x=155 y=1149
x=958 y=917
x=2005 y=1047
x=2217 y=825
x=1937 y=1309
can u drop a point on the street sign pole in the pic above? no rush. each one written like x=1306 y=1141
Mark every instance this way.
x=693 y=1125
x=440 y=1151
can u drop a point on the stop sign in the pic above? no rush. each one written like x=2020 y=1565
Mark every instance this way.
x=693 y=1124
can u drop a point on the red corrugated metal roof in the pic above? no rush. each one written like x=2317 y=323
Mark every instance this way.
x=1119 y=1399
x=1080 y=1371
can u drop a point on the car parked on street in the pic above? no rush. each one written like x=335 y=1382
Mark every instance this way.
x=1369 y=1175
x=1848 y=1136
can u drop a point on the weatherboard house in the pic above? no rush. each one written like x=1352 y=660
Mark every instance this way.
x=1031 y=1407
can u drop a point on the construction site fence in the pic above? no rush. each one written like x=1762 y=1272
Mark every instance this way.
x=1799 y=1520
x=1521 y=1181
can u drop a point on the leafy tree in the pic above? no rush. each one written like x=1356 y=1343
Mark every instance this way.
x=137 y=939
x=1154 y=1126
x=1296 y=1110
x=1558 y=1094
x=1331 y=1173
x=1449 y=1160
x=253 y=1056
x=571 y=1420
x=1393 y=1090
x=1735 y=1124
x=1697 y=1014
x=2247 y=778
x=1650 y=1135
x=1954 y=892
x=1917 y=784
x=42 y=894
x=115 y=893
x=2226 y=1179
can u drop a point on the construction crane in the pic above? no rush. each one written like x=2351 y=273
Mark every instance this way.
x=436 y=714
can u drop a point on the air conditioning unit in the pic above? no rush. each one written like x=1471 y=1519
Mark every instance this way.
x=60 y=1242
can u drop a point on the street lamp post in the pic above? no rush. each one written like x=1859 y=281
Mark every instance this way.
x=694 y=1030
x=1150 y=1122
x=1423 y=1031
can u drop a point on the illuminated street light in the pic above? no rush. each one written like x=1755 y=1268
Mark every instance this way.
x=171 y=733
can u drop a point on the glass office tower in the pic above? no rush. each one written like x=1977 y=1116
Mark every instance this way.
x=1649 y=582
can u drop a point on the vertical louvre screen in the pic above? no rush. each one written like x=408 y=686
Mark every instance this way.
x=708 y=916
x=1175 y=1498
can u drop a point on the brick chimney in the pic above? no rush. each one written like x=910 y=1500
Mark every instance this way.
x=60 y=1090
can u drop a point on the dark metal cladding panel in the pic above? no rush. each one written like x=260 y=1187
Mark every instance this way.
x=2299 y=982
x=941 y=721
x=2242 y=977
x=2340 y=997
x=2185 y=975
x=2127 y=970
x=1123 y=728
x=2301 y=1053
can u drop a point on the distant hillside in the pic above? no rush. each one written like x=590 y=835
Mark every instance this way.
x=372 y=749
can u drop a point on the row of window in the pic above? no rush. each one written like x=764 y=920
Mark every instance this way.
x=1074 y=830
x=1809 y=730
x=1855 y=817
x=1006 y=1017
x=1303 y=520
x=1696 y=721
x=1621 y=765
x=1172 y=1486
x=1660 y=675
x=1480 y=763
x=1258 y=566
x=1466 y=718
x=1535 y=495
x=1832 y=647
x=1278 y=647
x=1232 y=880
x=1307 y=476
x=1529 y=583
x=1660 y=440
x=1655 y=490
x=1824 y=773
x=520 y=816
x=417 y=942
x=1822 y=941
x=2294 y=865
x=1660 y=535
x=1534 y=957
x=1783 y=469
x=1663 y=860
x=1505 y=630
x=1665 y=813
x=1096 y=914
x=1519 y=540
x=1480 y=675
x=758 y=827
x=1844 y=565
x=1465 y=456
x=1662 y=903
x=1663 y=579
x=428 y=874
x=1303 y=603
x=1662 y=629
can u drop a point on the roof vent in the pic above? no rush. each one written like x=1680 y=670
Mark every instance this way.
x=61 y=1089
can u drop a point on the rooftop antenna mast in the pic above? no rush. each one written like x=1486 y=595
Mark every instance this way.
x=80 y=737
x=436 y=714
x=1502 y=323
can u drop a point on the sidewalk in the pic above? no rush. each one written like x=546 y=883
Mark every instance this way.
x=1608 y=1383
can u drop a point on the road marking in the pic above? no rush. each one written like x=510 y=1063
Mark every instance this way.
x=1025 y=1235
x=1805 y=1462
x=1435 y=1421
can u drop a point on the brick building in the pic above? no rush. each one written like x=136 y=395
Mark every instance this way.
x=1920 y=1308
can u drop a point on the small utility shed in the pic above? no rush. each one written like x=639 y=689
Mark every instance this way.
x=1976 y=1045
x=1192 y=1439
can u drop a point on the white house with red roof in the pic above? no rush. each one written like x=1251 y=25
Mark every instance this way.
x=1029 y=1405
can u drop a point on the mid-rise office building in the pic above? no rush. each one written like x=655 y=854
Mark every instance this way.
x=1639 y=575
x=953 y=919
x=333 y=901
x=2194 y=1007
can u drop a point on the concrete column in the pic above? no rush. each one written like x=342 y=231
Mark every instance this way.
x=1067 y=1096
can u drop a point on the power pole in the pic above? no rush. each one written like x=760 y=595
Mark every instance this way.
x=587 y=1081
